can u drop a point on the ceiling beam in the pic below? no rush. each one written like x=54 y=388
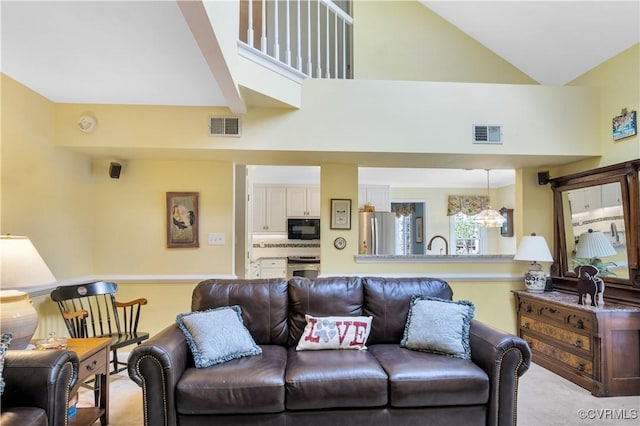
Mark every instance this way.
x=198 y=21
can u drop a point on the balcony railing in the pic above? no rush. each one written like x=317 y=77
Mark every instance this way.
x=310 y=38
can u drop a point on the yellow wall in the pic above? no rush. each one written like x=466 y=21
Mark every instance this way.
x=423 y=47
x=46 y=191
x=131 y=213
x=618 y=85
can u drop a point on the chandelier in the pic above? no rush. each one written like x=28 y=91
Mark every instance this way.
x=489 y=218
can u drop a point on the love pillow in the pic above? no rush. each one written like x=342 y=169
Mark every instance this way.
x=335 y=333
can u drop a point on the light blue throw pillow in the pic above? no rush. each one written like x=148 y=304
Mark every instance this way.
x=439 y=326
x=217 y=335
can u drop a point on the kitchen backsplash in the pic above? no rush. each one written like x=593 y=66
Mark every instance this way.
x=280 y=246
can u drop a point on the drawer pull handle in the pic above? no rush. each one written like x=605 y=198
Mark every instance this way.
x=526 y=325
x=552 y=310
x=580 y=324
x=581 y=366
x=578 y=343
x=529 y=309
x=92 y=366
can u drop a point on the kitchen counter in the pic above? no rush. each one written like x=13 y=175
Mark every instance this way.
x=426 y=258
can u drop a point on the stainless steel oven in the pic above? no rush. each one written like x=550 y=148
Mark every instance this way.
x=303 y=266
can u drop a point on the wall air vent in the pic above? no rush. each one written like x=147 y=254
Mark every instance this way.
x=224 y=126
x=487 y=134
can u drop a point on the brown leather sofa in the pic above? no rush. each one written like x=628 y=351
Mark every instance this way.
x=37 y=387
x=383 y=385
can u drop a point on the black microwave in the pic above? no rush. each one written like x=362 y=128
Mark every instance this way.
x=303 y=229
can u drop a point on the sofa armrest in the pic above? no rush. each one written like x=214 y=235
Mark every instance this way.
x=156 y=366
x=41 y=379
x=504 y=357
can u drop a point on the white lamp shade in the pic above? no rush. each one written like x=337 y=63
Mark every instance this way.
x=533 y=248
x=594 y=244
x=21 y=264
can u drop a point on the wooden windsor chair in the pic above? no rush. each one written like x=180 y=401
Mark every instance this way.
x=91 y=310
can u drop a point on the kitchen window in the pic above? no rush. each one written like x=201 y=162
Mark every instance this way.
x=467 y=236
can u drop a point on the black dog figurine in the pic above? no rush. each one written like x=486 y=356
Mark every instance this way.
x=588 y=283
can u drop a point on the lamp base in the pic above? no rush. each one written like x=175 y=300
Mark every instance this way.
x=18 y=316
x=535 y=281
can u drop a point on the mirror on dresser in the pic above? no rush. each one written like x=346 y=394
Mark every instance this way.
x=604 y=201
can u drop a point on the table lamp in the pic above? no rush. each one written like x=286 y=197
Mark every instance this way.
x=533 y=249
x=592 y=245
x=20 y=266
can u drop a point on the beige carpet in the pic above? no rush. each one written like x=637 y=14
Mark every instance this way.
x=544 y=399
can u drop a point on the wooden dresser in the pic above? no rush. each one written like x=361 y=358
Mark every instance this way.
x=597 y=348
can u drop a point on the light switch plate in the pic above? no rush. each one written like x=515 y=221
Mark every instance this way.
x=216 y=238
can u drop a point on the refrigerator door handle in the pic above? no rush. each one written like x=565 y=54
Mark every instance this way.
x=374 y=232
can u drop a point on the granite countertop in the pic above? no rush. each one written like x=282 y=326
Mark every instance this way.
x=571 y=301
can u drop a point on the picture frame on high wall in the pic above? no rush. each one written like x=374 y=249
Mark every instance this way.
x=624 y=125
x=340 y=213
x=182 y=219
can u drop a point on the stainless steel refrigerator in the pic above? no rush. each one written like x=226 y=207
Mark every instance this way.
x=378 y=233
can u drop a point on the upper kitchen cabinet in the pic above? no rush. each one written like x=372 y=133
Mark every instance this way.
x=303 y=201
x=376 y=195
x=269 y=209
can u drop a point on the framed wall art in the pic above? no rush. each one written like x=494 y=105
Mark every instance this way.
x=419 y=230
x=340 y=213
x=506 y=230
x=624 y=125
x=182 y=219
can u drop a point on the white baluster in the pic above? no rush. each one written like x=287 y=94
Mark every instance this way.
x=328 y=64
x=299 y=55
x=250 y=24
x=287 y=55
x=344 y=49
x=318 y=65
x=263 y=38
x=276 y=36
x=335 y=46
x=309 y=64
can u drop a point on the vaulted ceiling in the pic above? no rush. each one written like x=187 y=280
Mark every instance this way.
x=142 y=52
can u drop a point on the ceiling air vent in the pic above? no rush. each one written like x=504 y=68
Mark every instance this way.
x=224 y=126
x=484 y=134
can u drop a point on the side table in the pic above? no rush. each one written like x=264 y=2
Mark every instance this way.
x=93 y=356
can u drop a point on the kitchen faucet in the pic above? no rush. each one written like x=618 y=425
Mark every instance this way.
x=446 y=244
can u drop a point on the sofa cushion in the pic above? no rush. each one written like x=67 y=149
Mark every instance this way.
x=334 y=379
x=439 y=326
x=331 y=296
x=334 y=333
x=246 y=385
x=263 y=303
x=420 y=379
x=387 y=301
x=217 y=335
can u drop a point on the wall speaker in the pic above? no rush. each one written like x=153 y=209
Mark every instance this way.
x=114 y=170
x=543 y=178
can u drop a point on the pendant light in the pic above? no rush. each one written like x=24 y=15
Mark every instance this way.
x=489 y=218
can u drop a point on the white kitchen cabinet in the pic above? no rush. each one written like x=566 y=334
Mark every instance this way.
x=376 y=195
x=611 y=195
x=273 y=267
x=303 y=201
x=269 y=209
x=585 y=199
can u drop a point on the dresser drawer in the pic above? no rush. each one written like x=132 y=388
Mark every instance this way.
x=574 y=319
x=576 y=340
x=95 y=364
x=579 y=364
